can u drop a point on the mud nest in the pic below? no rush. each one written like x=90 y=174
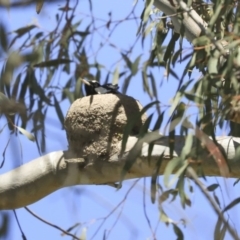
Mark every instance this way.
x=95 y=124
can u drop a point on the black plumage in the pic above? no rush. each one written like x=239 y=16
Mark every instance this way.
x=93 y=87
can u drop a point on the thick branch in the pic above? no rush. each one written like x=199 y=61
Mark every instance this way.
x=44 y=175
x=193 y=23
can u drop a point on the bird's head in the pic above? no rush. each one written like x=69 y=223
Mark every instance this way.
x=93 y=87
x=90 y=86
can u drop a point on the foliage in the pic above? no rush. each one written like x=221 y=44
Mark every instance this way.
x=35 y=62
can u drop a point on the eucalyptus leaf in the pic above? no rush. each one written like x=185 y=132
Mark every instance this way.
x=26 y=133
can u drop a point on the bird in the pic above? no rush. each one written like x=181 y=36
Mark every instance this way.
x=93 y=87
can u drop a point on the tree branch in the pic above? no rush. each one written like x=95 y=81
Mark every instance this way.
x=193 y=23
x=44 y=175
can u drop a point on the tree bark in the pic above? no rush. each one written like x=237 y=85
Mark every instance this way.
x=193 y=23
x=44 y=175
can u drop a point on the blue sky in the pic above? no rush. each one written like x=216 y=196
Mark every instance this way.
x=88 y=204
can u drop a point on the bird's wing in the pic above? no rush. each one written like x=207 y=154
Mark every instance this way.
x=102 y=90
x=113 y=87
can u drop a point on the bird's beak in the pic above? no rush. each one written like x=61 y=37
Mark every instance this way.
x=85 y=82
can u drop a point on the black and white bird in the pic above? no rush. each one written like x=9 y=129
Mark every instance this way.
x=93 y=87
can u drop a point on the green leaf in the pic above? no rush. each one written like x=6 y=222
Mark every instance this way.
x=134 y=67
x=164 y=218
x=161 y=34
x=145 y=83
x=149 y=28
x=213 y=65
x=175 y=57
x=34 y=87
x=216 y=199
x=178 y=174
x=69 y=95
x=177 y=116
x=218 y=232
x=39 y=5
x=194 y=97
x=16 y=86
x=170 y=47
x=172 y=73
x=178 y=232
x=148 y=8
x=14 y=60
x=38 y=35
x=175 y=102
x=3 y=38
x=192 y=62
x=223 y=233
x=232 y=204
x=164 y=196
x=115 y=76
x=81 y=33
x=136 y=151
x=155 y=176
x=187 y=147
x=212 y=187
x=156 y=128
x=127 y=60
x=24 y=30
x=172 y=164
x=78 y=90
x=130 y=124
x=153 y=85
x=201 y=41
x=59 y=111
x=53 y=63
x=126 y=84
x=145 y=127
x=216 y=14
x=26 y=133
x=236 y=182
x=158 y=123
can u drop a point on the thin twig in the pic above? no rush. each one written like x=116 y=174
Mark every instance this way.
x=145 y=211
x=194 y=176
x=18 y=223
x=52 y=225
x=115 y=208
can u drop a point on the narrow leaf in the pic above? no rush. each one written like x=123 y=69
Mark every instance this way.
x=212 y=187
x=214 y=151
x=53 y=63
x=26 y=133
x=59 y=111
